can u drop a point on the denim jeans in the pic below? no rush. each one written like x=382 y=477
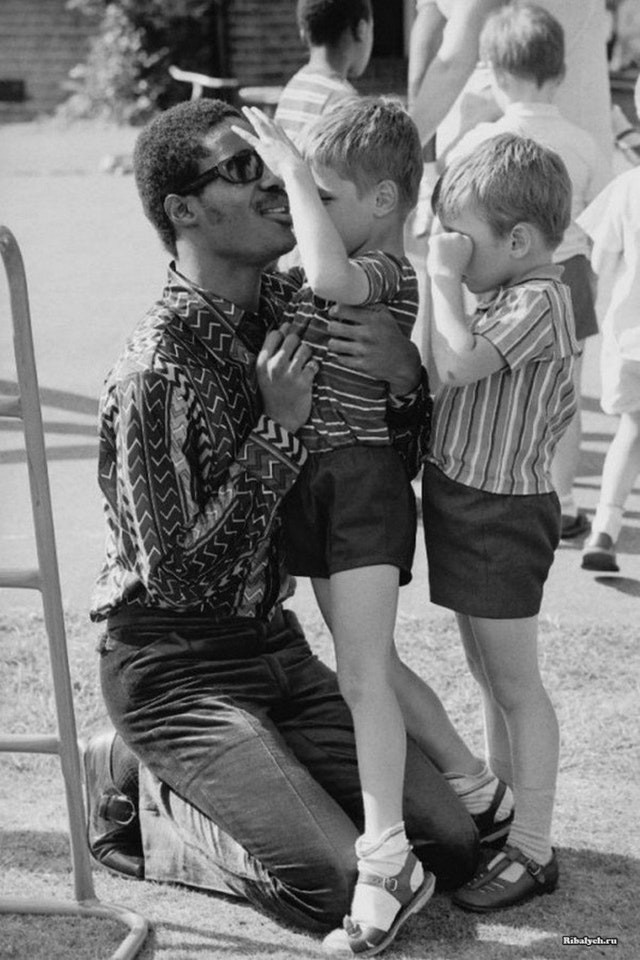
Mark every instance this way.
x=251 y=783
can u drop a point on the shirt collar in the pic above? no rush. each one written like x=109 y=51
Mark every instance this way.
x=526 y=109
x=206 y=313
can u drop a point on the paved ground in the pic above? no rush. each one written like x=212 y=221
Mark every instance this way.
x=93 y=265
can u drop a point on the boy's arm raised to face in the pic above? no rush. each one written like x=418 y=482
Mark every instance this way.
x=460 y=355
x=329 y=271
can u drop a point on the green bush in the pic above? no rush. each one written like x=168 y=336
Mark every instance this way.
x=125 y=76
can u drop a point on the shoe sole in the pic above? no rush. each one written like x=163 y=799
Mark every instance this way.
x=480 y=908
x=601 y=562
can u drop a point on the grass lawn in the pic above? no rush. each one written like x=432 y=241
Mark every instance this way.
x=595 y=828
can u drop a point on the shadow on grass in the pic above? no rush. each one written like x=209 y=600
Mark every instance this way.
x=623 y=584
x=595 y=898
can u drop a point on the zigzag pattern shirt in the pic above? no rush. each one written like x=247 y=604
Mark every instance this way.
x=192 y=472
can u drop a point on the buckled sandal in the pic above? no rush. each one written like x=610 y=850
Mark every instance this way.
x=494 y=833
x=490 y=891
x=354 y=939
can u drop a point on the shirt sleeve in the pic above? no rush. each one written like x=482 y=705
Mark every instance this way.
x=601 y=221
x=190 y=509
x=384 y=274
x=520 y=325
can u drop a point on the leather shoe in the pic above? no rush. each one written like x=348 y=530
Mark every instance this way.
x=489 y=890
x=113 y=829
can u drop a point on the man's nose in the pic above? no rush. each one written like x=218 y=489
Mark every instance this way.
x=269 y=179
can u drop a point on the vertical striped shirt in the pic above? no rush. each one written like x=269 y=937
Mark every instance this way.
x=349 y=407
x=307 y=96
x=498 y=434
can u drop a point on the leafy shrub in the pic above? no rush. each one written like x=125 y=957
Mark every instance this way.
x=125 y=76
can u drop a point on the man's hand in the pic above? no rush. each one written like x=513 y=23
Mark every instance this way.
x=371 y=341
x=449 y=254
x=285 y=371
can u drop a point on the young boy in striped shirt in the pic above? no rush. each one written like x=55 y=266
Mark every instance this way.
x=339 y=34
x=492 y=518
x=349 y=520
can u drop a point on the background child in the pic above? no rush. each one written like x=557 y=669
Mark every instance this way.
x=613 y=224
x=350 y=519
x=339 y=34
x=492 y=518
x=523 y=47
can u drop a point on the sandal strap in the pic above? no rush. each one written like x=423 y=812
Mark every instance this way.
x=398 y=886
x=512 y=855
x=532 y=867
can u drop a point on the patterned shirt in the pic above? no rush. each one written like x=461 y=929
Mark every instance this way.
x=307 y=96
x=191 y=470
x=498 y=434
x=349 y=407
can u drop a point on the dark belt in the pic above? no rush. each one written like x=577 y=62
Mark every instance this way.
x=229 y=637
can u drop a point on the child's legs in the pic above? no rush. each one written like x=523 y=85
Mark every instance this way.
x=621 y=467
x=428 y=722
x=508 y=650
x=363 y=605
x=497 y=744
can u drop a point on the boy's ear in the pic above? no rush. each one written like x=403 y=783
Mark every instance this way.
x=179 y=210
x=387 y=197
x=361 y=27
x=520 y=240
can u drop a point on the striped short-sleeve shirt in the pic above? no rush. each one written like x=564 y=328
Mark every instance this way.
x=498 y=434
x=349 y=407
x=307 y=96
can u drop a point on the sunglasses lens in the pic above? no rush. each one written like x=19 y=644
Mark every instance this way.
x=242 y=167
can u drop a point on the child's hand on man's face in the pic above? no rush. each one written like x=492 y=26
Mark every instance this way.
x=271 y=142
x=449 y=254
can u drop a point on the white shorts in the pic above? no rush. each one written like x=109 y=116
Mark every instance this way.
x=620 y=379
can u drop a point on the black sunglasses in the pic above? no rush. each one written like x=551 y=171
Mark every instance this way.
x=243 y=167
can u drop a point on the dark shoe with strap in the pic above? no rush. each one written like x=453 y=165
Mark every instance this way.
x=354 y=939
x=493 y=833
x=489 y=890
x=113 y=829
x=574 y=526
x=599 y=553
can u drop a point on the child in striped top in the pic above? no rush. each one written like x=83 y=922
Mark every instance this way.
x=349 y=521
x=492 y=517
x=339 y=34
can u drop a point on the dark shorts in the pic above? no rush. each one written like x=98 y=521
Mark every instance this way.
x=578 y=276
x=488 y=554
x=351 y=507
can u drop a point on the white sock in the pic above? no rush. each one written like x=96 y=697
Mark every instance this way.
x=531 y=827
x=478 y=790
x=608 y=519
x=384 y=856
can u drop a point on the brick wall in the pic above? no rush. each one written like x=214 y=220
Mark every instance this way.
x=264 y=48
x=40 y=41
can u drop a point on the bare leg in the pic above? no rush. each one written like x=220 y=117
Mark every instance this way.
x=497 y=745
x=509 y=655
x=363 y=610
x=428 y=722
x=621 y=467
